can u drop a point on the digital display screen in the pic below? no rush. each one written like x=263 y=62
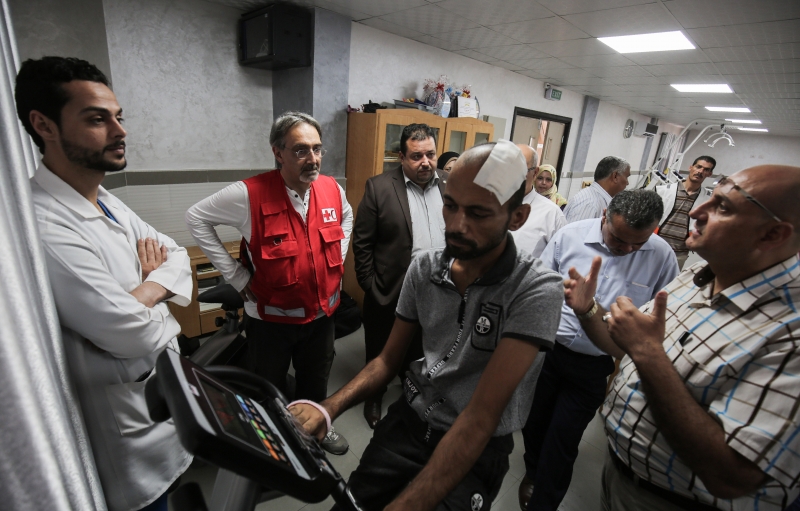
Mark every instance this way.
x=239 y=417
x=226 y=410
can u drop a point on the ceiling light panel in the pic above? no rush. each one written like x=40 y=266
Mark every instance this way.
x=702 y=87
x=740 y=128
x=660 y=41
x=744 y=121
x=740 y=110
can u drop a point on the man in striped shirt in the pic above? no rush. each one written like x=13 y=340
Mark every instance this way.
x=705 y=413
x=610 y=178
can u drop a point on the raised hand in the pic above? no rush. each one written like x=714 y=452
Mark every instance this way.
x=635 y=332
x=579 y=290
x=151 y=256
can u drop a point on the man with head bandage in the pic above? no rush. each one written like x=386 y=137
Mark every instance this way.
x=447 y=439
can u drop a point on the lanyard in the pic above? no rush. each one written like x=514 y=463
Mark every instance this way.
x=106 y=211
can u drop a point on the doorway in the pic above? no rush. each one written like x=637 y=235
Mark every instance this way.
x=547 y=133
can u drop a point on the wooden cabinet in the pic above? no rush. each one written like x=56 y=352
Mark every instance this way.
x=373 y=144
x=196 y=318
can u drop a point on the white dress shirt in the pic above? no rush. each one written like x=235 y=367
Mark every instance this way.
x=544 y=220
x=638 y=275
x=427 y=220
x=231 y=206
x=111 y=339
x=588 y=203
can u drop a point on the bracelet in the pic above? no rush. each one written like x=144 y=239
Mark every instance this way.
x=315 y=405
x=591 y=312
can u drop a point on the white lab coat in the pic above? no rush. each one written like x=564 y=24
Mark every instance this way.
x=111 y=339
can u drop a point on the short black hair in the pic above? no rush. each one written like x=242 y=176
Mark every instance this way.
x=39 y=87
x=415 y=132
x=608 y=166
x=641 y=209
x=709 y=159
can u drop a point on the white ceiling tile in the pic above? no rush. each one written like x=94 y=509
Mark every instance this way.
x=392 y=28
x=633 y=80
x=657 y=58
x=494 y=13
x=604 y=89
x=539 y=64
x=532 y=74
x=439 y=43
x=598 y=60
x=756 y=52
x=574 y=47
x=547 y=29
x=429 y=19
x=759 y=66
x=605 y=72
x=776 y=95
x=507 y=65
x=476 y=38
x=714 y=13
x=562 y=7
x=771 y=87
x=773 y=32
x=475 y=55
x=569 y=73
x=514 y=52
x=682 y=69
x=582 y=82
x=345 y=10
x=636 y=19
x=378 y=7
x=767 y=78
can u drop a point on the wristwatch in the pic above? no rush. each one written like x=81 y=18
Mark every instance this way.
x=586 y=316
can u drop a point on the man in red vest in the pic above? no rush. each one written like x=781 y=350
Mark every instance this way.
x=295 y=224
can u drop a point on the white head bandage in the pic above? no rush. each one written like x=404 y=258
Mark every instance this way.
x=504 y=171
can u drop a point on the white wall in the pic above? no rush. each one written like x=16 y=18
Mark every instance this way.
x=749 y=150
x=385 y=67
x=187 y=101
x=607 y=139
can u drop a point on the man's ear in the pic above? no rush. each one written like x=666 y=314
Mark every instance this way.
x=776 y=236
x=44 y=126
x=519 y=217
x=277 y=154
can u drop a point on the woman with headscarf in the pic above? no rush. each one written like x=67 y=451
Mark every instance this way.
x=446 y=161
x=545 y=185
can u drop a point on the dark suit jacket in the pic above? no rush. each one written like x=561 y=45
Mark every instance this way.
x=382 y=238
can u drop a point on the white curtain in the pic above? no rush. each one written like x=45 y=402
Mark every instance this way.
x=45 y=459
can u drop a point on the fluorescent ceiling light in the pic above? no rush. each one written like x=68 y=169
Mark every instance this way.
x=750 y=129
x=740 y=110
x=661 y=41
x=744 y=121
x=701 y=87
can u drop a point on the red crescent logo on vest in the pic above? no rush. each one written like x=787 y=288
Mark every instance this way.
x=328 y=215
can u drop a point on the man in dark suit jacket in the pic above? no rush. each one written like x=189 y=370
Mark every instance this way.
x=399 y=215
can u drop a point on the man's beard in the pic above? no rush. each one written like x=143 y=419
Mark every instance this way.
x=94 y=160
x=474 y=251
x=309 y=173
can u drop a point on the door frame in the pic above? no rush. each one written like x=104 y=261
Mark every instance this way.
x=566 y=121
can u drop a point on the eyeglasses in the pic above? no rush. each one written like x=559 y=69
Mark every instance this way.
x=302 y=154
x=725 y=181
x=431 y=155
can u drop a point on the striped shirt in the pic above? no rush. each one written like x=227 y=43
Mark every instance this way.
x=588 y=203
x=675 y=228
x=741 y=362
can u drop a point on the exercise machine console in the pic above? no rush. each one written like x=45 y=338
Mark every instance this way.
x=259 y=441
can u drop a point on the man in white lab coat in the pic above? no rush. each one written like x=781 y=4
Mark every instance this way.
x=111 y=275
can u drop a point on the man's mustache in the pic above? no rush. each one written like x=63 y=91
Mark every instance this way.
x=453 y=236
x=116 y=145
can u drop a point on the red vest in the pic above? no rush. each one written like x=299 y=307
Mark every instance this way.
x=298 y=265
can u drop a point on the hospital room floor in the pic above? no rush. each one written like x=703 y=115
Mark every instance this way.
x=583 y=495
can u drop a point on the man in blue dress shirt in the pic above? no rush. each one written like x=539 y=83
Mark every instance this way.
x=573 y=380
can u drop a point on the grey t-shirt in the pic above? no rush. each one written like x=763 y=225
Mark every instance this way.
x=519 y=297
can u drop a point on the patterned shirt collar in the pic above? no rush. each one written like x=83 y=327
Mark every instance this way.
x=745 y=293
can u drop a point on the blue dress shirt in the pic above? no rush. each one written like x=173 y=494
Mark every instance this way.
x=638 y=275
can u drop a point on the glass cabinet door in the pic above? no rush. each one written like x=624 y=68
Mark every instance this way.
x=458 y=141
x=391 y=146
x=481 y=138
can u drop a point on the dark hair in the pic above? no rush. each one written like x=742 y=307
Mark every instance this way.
x=444 y=158
x=641 y=209
x=608 y=166
x=415 y=132
x=39 y=87
x=709 y=159
x=515 y=200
